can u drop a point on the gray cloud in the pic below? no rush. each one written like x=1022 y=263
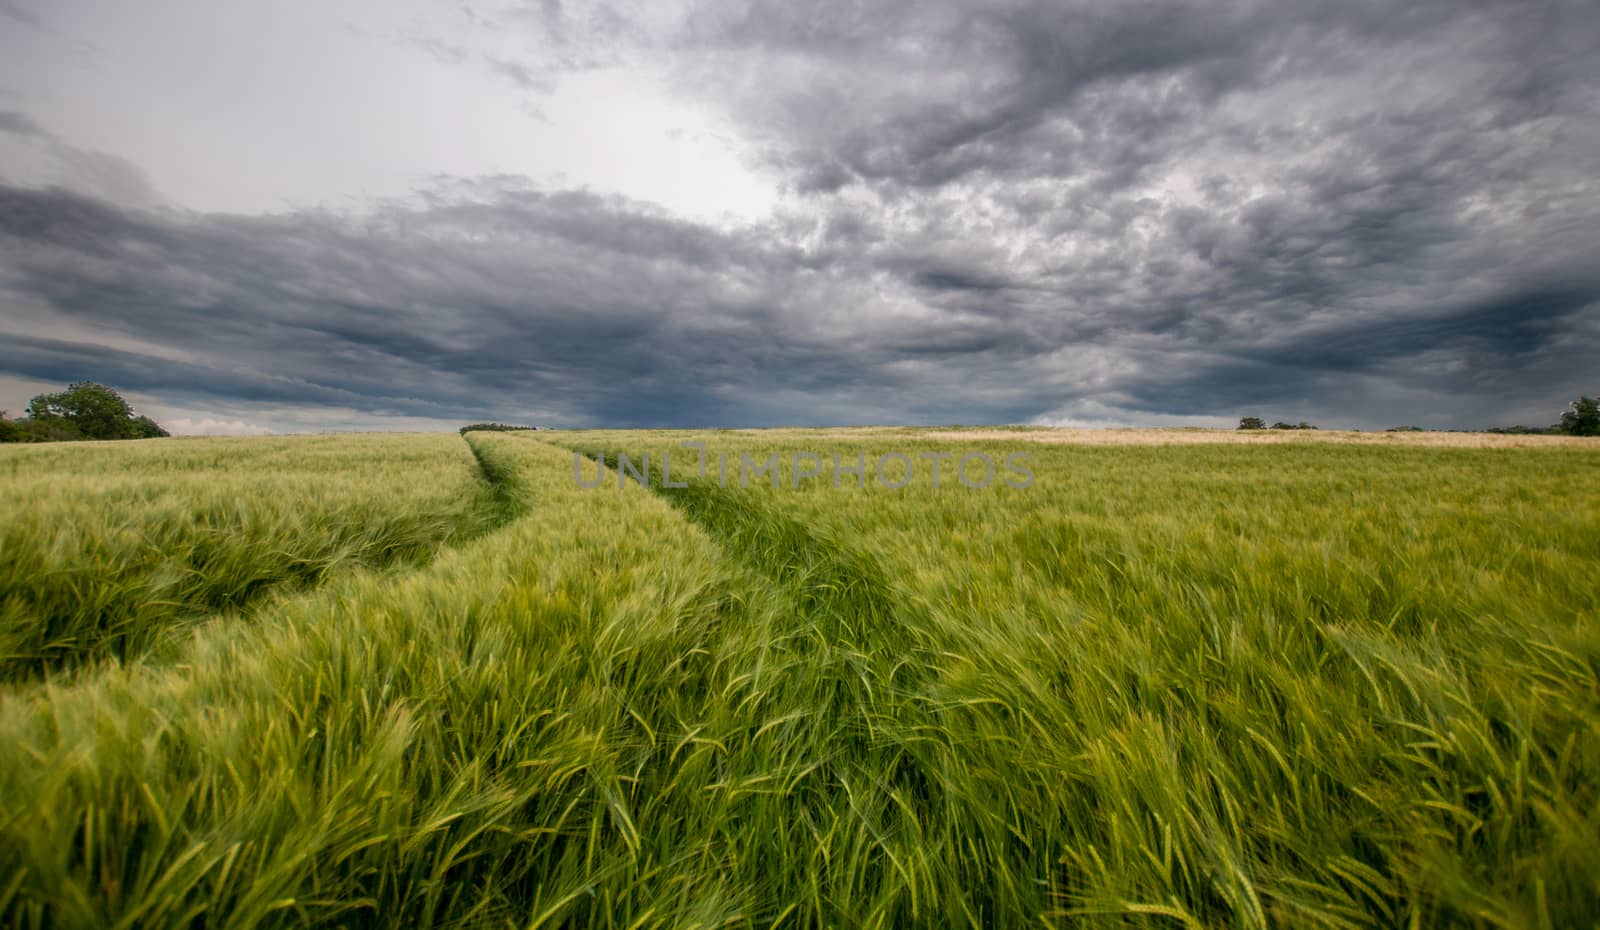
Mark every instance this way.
x=99 y=174
x=1355 y=214
x=540 y=42
x=569 y=306
x=928 y=93
x=13 y=11
x=19 y=124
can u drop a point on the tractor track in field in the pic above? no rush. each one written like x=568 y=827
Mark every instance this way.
x=510 y=498
x=508 y=501
x=828 y=577
x=868 y=634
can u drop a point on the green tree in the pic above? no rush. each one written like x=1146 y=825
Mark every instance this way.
x=9 y=431
x=1582 y=417
x=89 y=411
x=1252 y=423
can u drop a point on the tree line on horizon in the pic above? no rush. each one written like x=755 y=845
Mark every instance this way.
x=494 y=428
x=87 y=410
x=1581 y=418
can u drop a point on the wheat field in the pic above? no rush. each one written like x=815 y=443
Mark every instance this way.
x=416 y=680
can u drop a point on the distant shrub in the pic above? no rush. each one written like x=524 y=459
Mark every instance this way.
x=494 y=428
x=1405 y=429
x=27 y=429
x=143 y=427
x=1301 y=425
x=1582 y=417
x=1252 y=423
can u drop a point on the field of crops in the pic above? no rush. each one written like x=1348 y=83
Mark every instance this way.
x=421 y=681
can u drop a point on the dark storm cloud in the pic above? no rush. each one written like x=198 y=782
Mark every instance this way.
x=569 y=306
x=1506 y=331
x=1355 y=213
x=1473 y=361
x=923 y=94
x=955 y=279
x=64 y=361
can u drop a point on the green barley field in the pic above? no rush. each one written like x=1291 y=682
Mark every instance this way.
x=434 y=681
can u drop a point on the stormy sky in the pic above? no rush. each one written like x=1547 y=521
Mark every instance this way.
x=387 y=214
